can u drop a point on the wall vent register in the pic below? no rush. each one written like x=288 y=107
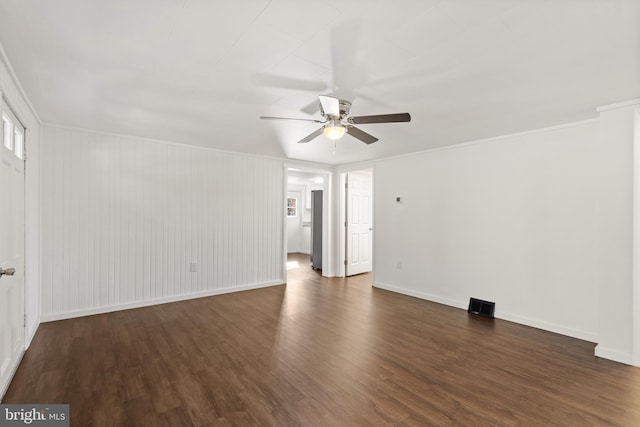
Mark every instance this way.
x=481 y=307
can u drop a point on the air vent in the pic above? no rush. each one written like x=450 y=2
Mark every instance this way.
x=481 y=307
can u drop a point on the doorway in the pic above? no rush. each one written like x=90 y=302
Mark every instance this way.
x=301 y=185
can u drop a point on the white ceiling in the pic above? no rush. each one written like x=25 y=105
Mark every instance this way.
x=201 y=72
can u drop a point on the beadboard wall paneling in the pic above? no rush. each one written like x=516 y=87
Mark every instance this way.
x=124 y=218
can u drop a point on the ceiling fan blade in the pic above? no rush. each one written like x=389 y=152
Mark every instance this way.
x=361 y=135
x=381 y=118
x=330 y=105
x=289 y=118
x=314 y=107
x=311 y=136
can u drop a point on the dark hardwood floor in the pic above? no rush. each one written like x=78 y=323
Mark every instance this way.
x=319 y=352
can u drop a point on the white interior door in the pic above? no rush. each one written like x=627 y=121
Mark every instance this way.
x=11 y=247
x=359 y=223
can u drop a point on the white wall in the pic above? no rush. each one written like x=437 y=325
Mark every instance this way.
x=9 y=88
x=294 y=224
x=636 y=238
x=123 y=218
x=512 y=220
x=616 y=233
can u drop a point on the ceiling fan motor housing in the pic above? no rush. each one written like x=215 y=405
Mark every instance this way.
x=345 y=107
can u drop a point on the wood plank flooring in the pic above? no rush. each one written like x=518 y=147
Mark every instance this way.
x=319 y=352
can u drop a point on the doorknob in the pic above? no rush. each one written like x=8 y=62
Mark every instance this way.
x=8 y=271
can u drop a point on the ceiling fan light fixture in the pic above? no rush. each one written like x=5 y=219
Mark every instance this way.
x=334 y=131
x=337 y=121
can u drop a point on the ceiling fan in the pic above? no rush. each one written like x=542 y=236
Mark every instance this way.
x=337 y=121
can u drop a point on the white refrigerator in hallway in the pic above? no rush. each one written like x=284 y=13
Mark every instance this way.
x=316 y=229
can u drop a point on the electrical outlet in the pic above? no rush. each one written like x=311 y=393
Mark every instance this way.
x=399 y=265
x=193 y=267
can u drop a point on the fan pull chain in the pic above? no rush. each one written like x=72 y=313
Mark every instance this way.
x=335 y=142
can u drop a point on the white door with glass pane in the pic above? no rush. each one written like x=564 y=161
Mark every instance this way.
x=359 y=243
x=11 y=246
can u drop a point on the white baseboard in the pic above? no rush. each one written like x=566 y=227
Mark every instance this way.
x=551 y=327
x=138 y=304
x=615 y=355
x=422 y=295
